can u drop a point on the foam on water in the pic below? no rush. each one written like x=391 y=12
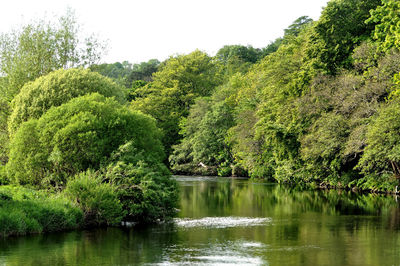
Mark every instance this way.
x=221 y=222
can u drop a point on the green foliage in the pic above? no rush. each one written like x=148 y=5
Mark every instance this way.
x=382 y=153
x=55 y=89
x=3 y=175
x=324 y=143
x=337 y=111
x=237 y=58
x=75 y=136
x=395 y=92
x=143 y=71
x=24 y=211
x=243 y=53
x=145 y=187
x=40 y=48
x=297 y=26
x=177 y=83
x=4 y=139
x=98 y=201
x=340 y=28
x=204 y=133
x=117 y=71
x=386 y=19
x=135 y=91
x=264 y=133
x=126 y=74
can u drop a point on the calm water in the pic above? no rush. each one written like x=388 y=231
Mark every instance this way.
x=239 y=222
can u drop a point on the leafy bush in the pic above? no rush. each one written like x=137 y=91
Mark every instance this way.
x=147 y=195
x=24 y=211
x=76 y=136
x=145 y=187
x=99 y=201
x=56 y=88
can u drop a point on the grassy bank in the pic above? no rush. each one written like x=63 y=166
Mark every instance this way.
x=25 y=211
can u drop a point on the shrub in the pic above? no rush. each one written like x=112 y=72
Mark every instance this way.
x=147 y=195
x=145 y=187
x=99 y=201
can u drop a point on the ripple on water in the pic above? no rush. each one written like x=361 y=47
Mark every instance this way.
x=221 y=222
x=227 y=253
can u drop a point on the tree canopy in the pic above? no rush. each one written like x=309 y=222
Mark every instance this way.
x=89 y=127
x=56 y=88
x=42 y=47
x=175 y=86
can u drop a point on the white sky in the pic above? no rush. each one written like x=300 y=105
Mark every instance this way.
x=139 y=30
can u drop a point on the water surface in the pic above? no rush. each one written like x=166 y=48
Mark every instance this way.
x=234 y=222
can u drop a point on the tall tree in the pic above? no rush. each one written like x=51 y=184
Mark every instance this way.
x=41 y=47
x=178 y=82
x=387 y=21
x=339 y=30
x=35 y=50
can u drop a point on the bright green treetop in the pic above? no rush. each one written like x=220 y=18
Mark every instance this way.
x=176 y=85
x=387 y=20
x=76 y=136
x=55 y=89
x=40 y=48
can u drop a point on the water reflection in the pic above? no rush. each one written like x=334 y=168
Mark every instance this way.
x=230 y=221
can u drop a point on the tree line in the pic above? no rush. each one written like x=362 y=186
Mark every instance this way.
x=318 y=106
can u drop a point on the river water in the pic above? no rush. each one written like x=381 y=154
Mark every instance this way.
x=227 y=221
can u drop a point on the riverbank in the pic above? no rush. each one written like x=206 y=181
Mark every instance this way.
x=368 y=184
x=26 y=211
x=238 y=221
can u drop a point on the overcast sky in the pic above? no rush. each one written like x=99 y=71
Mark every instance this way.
x=139 y=30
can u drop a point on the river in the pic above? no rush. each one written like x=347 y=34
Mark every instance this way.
x=224 y=221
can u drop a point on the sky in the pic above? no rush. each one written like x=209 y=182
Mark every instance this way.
x=139 y=30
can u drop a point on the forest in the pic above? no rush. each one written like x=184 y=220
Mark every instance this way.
x=96 y=144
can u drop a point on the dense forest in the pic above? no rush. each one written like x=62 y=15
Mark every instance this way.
x=95 y=143
x=318 y=106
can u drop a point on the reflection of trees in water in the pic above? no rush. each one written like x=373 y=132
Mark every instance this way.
x=393 y=222
x=300 y=218
x=229 y=195
x=108 y=246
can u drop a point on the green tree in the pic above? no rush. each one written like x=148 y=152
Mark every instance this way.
x=42 y=47
x=35 y=50
x=116 y=71
x=204 y=137
x=386 y=19
x=338 y=31
x=90 y=127
x=126 y=74
x=175 y=86
x=99 y=201
x=56 y=88
x=297 y=26
x=237 y=58
x=382 y=153
x=143 y=71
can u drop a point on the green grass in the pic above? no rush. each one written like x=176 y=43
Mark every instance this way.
x=25 y=211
